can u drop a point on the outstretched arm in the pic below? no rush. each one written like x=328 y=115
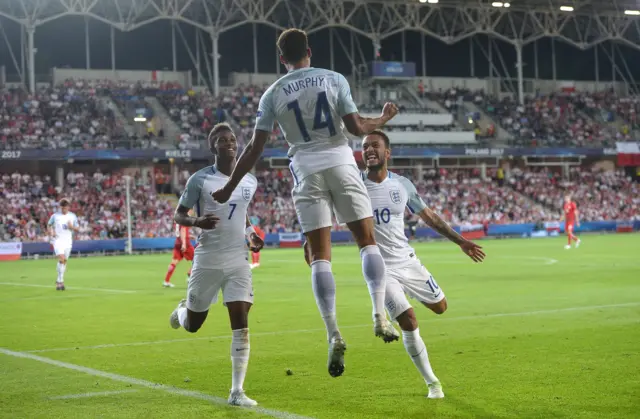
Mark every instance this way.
x=250 y=156
x=440 y=226
x=358 y=125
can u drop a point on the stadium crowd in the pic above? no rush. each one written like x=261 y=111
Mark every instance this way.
x=461 y=196
x=601 y=195
x=96 y=198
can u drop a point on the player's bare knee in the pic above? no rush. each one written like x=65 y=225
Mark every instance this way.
x=195 y=320
x=239 y=314
x=439 y=307
x=407 y=320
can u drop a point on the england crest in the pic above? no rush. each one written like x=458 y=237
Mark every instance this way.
x=396 y=198
x=246 y=194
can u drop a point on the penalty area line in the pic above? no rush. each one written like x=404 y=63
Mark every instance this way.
x=149 y=384
x=354 y=326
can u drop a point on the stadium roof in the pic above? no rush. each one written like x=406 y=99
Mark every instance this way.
x=524 y=21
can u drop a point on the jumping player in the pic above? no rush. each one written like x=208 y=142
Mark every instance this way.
x=312 y=107
x=61 y=227
x=182 y=249
x=571 y=220
x=390 y=195
x=220 y=260
x=255 y=256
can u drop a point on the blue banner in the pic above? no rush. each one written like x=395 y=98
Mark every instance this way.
x=273 y=239
x=392 y=69
x=416 y=152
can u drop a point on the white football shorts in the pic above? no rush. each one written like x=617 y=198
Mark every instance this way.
x=205 y=284
x=338 y=189
x=413 y=280
x=62 y=248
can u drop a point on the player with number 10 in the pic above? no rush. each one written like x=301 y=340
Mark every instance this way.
x=390 y=195
x=313 y=106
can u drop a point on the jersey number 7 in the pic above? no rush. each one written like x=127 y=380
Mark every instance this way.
x=321 y=120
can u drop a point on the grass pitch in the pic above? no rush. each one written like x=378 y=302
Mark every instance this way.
x=534 y=332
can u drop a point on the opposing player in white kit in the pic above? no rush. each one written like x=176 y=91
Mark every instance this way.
x=61 y=227
x=220 y=260
x=313 y=106
x=390 y=195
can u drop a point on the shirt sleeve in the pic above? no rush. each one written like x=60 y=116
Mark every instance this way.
x=52 y=220
x=75 y=220
x=414 y=202
x=346 y=105
x=191 y=194
x=266 y=117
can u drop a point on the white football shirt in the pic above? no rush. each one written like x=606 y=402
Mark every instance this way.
x=309 y=104
x=60 y=223
x=225 y=245
x=389 y=199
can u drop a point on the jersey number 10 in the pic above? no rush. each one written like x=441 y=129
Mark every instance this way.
x=321 y=120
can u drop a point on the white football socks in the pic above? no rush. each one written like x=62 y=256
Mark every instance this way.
x=417 y=350
x=373 y=269
x=60 y=269
x=239 y=358
x=324 y=289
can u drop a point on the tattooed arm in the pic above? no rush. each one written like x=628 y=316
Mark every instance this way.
x=440 y=226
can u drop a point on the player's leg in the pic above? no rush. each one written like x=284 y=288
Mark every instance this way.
x=177 y=257
x=353 y=207
x=313 y=207
x=62 y=253
x=238 y=297
x=569 y=230
x=202 y=291
x=400 y=309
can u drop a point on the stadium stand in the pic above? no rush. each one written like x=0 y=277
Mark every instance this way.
x=97 y=199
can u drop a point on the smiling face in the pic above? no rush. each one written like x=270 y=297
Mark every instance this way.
x=225 y=145
x=375 y=151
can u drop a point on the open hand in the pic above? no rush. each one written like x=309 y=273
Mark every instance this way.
x=473 y=250
x=207 y=222
x=255 y=243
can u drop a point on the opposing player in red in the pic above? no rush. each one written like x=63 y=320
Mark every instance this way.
x=255 y=256
x=571 y=220
x=182 y=249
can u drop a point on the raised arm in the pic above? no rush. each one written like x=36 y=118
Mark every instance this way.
x=250 y=156
x=265 y=119
x=358 y=125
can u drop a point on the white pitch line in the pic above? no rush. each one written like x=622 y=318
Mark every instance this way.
x=94 y=394
x=148 y=384
x=17 y=284
x=47 y=297
x=355 y=326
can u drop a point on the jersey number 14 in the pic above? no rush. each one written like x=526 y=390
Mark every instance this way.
x=321 y=120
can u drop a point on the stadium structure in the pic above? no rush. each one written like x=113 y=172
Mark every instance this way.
x=501 y=136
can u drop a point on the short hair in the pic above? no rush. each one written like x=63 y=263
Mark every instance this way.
x=384 y=136
x=64 y=202
x=217 y=129
x=293 y=45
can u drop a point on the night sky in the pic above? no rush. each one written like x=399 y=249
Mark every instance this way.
x=61 y=43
